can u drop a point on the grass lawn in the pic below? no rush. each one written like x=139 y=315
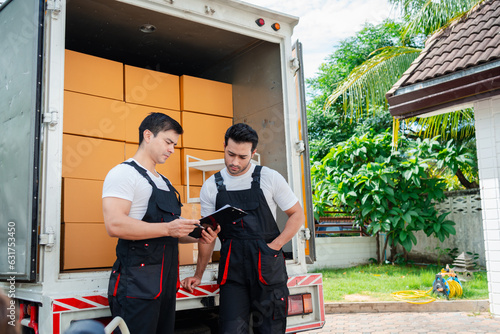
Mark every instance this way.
x=377 y=282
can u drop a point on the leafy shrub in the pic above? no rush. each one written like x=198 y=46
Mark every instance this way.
x=388 y=191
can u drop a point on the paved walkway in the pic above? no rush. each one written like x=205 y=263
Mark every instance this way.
x=410 y=323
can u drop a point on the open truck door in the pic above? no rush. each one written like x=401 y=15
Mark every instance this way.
x=21 y=26
x=304 y=161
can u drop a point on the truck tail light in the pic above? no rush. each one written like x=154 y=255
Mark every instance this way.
x=300 y=304
x=276 y=26
x=308 y=305
x=260 y=22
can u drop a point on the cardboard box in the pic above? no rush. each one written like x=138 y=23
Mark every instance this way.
x=188 y=254
x=191 y=211
x=93 y=116
x=90 y=158
x=82 y=201
x=206 y=96
x=194 y=192
x=195 y=175
x=171 y=169
x=87 y=245
x=182 y=191
x=151 y=88
x=134 y=115
x=93 y=75
x=204 y=131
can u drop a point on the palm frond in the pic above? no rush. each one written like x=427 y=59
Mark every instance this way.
x=428 y=16
x=366 y=85
x=456 y=125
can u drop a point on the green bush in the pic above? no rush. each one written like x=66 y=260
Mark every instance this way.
x=388 y=191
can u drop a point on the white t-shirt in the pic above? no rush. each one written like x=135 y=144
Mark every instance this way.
x=123 y=181
x=274 y=186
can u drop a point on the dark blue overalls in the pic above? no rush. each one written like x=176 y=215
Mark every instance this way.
x=252 y=276
x=145 y=277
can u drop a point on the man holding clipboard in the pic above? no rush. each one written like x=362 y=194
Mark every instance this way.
x=252 y=272
x=141 y=208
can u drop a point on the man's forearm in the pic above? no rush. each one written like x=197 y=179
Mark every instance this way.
x=295 y=220
x=188 y=240
x=133 y=229
x=204 y=255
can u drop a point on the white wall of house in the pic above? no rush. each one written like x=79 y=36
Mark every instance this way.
x=343 y=252
x=487 y=117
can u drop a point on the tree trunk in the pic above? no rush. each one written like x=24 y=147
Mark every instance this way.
x=385 y=245
x=463 y=180
x=393 y=253
x=379 y=260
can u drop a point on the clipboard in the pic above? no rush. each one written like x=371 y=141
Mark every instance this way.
x=225 y=215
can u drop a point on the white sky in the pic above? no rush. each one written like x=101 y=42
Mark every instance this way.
x=323 y=23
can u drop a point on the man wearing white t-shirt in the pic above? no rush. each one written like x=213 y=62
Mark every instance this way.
x=142 y=209
x=252 y=272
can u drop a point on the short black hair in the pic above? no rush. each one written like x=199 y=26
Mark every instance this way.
x=157 y=122
x=242 y=133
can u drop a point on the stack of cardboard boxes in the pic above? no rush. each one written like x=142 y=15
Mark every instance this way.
x=104 y=103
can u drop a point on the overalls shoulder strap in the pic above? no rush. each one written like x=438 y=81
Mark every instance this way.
x=141 y=171
x=171 y=187
x=219 y=181
x=256 y=177
x=144 y=173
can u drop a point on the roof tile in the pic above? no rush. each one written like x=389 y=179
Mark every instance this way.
x=471 y=41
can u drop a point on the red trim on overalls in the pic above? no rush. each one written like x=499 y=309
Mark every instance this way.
x=178 y=285
x=116 y=284
x=260 y=270
x=161 y=276
x=224 y=277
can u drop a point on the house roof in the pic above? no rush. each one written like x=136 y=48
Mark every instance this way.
x=466 y=52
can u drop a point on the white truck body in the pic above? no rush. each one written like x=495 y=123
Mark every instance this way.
x=257 y=61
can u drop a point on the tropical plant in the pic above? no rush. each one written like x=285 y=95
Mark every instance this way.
x=424 y=17
x=327 y=128
x=350 y=53
x=458 y=158
x=388 y=191
x=459 y=126
x=367 y=84
x=451 y=253
x=364 y=89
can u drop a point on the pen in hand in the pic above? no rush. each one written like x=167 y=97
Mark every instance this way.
x=198 y=225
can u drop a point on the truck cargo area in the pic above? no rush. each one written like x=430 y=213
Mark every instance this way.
x=182 y=47
x=154 y=40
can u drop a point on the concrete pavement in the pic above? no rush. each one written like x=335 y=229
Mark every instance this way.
x=410 y=322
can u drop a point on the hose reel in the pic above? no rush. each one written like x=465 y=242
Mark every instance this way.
x=447 y=284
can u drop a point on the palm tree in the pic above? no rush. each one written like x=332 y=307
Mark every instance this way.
x=365 y=87
x=367 y=84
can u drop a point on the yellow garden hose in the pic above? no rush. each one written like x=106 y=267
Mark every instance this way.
x=450 y=288
x=455 y=288
x=414 y=296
